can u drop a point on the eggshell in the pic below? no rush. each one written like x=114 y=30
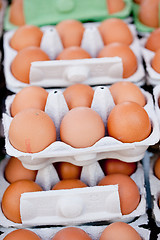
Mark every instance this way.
x=153 y=41
x=11 y=198
x=120 y=231
x=78 y=95
x=31 y=131
x=155 y=63
x=20 y=234
x=137 y=1
x=73 y=53
x=69 y=184
x=157 y=168
x=16 y=15
x=71 y=233
x=15 y=171
x=123 y=51
x=26 y=36
x=128 y=191
x=71 y=32
x=20 y=66
x=115 y=6
x=129 y=122
x=127 y=91
x=29 y=97
x=68 y=170
x=115 y=30
x=81 y=127
x=111 y=166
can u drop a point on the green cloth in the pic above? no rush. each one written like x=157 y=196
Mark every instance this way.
x=48 y=12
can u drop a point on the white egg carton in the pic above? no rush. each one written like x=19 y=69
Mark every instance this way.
x=54 y=73
x=93 y=231
x=153 y=77
x=72 y=206
x=106 y=147
x=156 y=94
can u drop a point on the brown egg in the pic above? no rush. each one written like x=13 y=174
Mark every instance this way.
x=115 y=6
x=128 y=191
x=67 y=170
x=16 y=14
x=71 y=32
x=115 y=30
x=153 y=41
x=149 y=13
x=123 y=51
x=73 y=53
x=120 y=231
x=155 y=63
x=15 y=171
x=69 y=184
x=78 y=95
x=137 y=1
x=157 y=168
x=81 y=127
x=111 y=166
x=127 y=91
x=26 y=36
x=129 y=122
x=29 y=97
x=71 y=233
x=20 y=234
x=20 y=66
x=11 y=198
x=31 y=131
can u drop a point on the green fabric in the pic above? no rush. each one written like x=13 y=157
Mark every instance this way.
x=40 y=12
x=140 y=26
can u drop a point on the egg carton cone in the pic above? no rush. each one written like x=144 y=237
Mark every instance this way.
x=63 y=73
x=72 y=206
x=156 y=94
x=106 y=147
x=93 y=231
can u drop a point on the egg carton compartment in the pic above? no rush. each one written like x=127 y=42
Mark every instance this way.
x=63 y=73
x=72 y=206
x=93 y=231
x=106 y=147
x=156 y=94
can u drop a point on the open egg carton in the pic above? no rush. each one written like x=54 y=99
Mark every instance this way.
x=93 y=231
x=156 y=94
x=72 y=206
x=62 y=73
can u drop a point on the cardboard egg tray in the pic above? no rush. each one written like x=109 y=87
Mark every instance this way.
x=72 y=206
x=106 y=147
x=93 y=231
x=55 y=73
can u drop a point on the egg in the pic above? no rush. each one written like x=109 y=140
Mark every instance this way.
x=155 y=62
x=15 y=171
x=111 y=166
x=29 y=97
x=71 y=233
x=73 y=53
x=81 y=127
x=26 y=36
x=153 y=41
x=11 y=198
x=115 y=6
x=69 y=184
x=123 y=51
x=120 y=231
x=149 y=13
x=78 y=95
x=20 y=66
x=156 y=168
x=20 y=234
x=16 y=14
x=128 y=191
x=70 y=32
x=129 y=122
x=31 y=131
x=68 y=170
x=127 y=91
x=115 y=30
x=137 y=1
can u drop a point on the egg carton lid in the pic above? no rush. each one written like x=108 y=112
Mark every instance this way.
x=54 y=73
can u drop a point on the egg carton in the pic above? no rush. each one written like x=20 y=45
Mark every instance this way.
x=93 y=231
x=55 y=73
x=106 y=147
x=156 y=94
x=72 y=206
